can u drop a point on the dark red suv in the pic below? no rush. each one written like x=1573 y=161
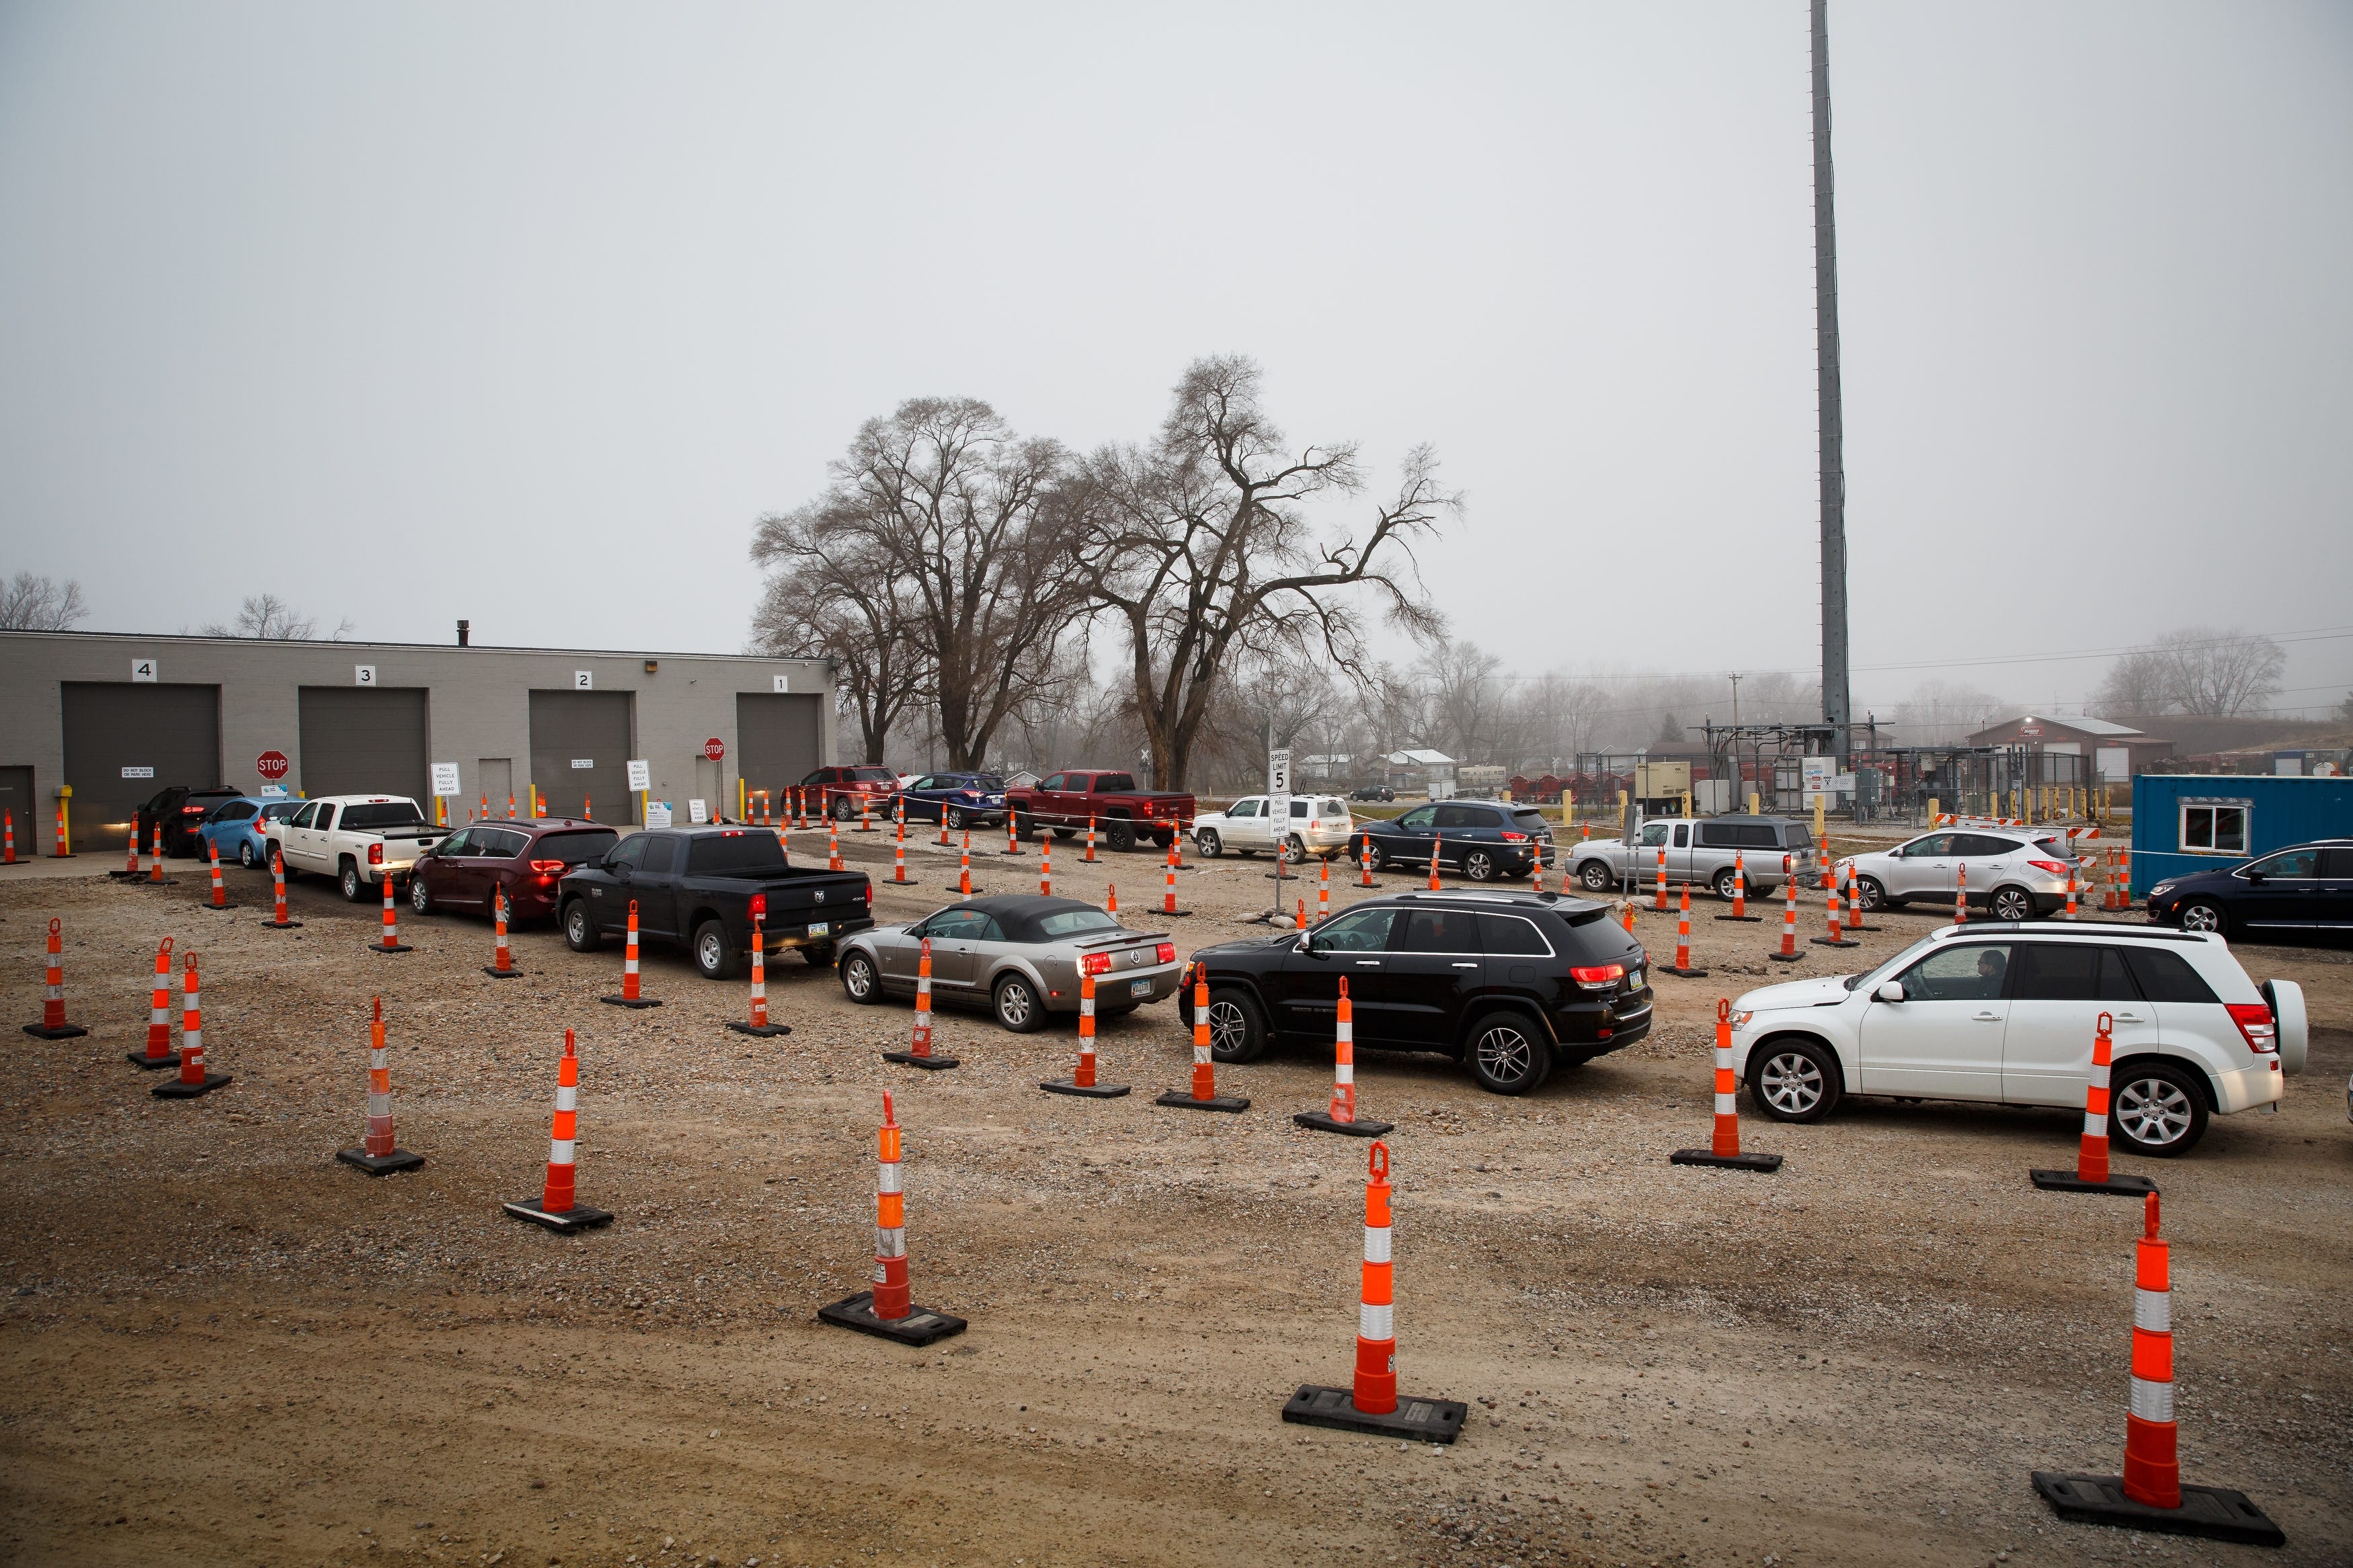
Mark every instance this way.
x=526 y=857
x=839 y=790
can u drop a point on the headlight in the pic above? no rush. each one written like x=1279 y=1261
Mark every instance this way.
x=2160 y=890
x=1740 y=1020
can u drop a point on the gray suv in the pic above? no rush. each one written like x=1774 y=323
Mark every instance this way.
x=1702 y=851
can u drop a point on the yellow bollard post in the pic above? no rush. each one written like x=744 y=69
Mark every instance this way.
x=65 y=823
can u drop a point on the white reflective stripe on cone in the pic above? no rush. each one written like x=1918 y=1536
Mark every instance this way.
x=379 y=1105
x=192 y=1039
x=1344 y=1072
x=891 y=1243
x=567 y=1097
x=2152 y=1401
x=559 y=1150
x=1724 y=1105
x=2153 y=1311
x=1376 y=1323
x=2094 y=1124
x=2099 y=1075
x=888 y=1181
x=1376 y=1244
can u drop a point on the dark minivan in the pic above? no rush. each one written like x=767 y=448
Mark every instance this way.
x=525 y=857
x=2288 y=895
x=1482 y=840
x=1507 y=983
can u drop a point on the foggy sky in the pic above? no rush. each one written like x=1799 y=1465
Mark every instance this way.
x=524 y=312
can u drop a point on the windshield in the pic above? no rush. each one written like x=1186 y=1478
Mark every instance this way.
x=1075 y=922
x=382 y=814
x=1888 y=969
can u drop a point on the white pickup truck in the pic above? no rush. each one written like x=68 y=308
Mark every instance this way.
x=355 y=838
x=1701 y=852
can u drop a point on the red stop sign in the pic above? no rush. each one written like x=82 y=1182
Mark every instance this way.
x=271 y=765
x=714 y=748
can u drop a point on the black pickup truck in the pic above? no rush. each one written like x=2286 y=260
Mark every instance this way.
x=693 y=887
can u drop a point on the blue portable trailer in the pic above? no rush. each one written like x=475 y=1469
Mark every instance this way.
x=2210 y=822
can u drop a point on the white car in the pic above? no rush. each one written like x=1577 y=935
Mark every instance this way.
x=2011 y=874
x=1319 y=825
x=2007 y=1016
x=355 y=838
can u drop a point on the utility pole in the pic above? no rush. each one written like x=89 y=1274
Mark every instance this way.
x=1735 y=699
x=1836 y=711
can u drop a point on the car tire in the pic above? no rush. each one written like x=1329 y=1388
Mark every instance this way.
x=1724 y=884
x=1066 y=834
x=2202 y=915
x=1294 y=851
x=2156 y=1108
x=1506 y=1052
x=1479 y=866
x=714 y=955
x=353 y=885
x=1594 y=877
x=861 y=980
x=245 y=857
x=1208 y=844
x=844 y=808
x=1024 y=826
x=2010 y=903
x=1794 y=1080
x=1237 y=1028
x=420 y=897
x=1869 y=896
x=1120 y=836
x=580 y=928
x=1379 y=856
x=1014 y=999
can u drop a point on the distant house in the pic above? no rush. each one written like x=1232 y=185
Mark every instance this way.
x=1436 y=767
x=2118 y=751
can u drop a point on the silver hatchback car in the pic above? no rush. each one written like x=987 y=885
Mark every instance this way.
x=2013 y=874
x=1020 y=956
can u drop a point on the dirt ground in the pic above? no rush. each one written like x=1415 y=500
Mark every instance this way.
x=221 y=1346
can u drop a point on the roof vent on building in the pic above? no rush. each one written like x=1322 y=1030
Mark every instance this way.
x=465 y=632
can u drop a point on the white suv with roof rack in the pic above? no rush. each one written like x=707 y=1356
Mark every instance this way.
x=2006 y=1015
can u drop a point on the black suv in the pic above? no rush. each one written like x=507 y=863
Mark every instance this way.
x=1482 y=840
x=182 y=811
x=1508 y=984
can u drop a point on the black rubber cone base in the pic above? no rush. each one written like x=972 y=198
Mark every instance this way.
x=1415 y=1420
x=175 y=1090
x=1746 y=920
x=280 y=925
x=2214 y=1511
x=1172 y=914
x=921 y=1326
x=1785 y=957
x=579 y=1217
x=1683 y=973
x=379 y=1165
x=1089 y=1091
x=62 y=1032
x=1321 y=1122
x=396 y=947
x=142 y=1059
x=765 y=1031
x=220 y=909
x=1764 y=1163
x=1826 y=941
x=932 y=1063
x=1857 y=925
x=495 y=972
x=2069 y=1182
x=635 y=1003
x=957 y=887
x=1182 y=1100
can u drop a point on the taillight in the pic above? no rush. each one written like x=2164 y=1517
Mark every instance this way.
x=191 y=811
x=1600 y=976
x=870 y=895
x=1166 y=952
x=2254 y=1021
x=1511 y=837
x=547 y=868
x=2052 y=867
x=376 y=854
x=1094 y=964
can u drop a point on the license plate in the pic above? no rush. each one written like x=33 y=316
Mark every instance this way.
x=1634 y=978
x=822 y=928
x=1139 y=988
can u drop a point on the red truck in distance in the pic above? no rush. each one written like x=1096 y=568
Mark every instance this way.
x=1123 y=814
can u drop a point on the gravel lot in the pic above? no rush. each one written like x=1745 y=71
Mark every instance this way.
x=222 y=1346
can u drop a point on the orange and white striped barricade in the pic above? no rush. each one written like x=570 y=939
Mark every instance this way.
x=158 y=1053
x=1787 y=952
x=1082 y=1080
x=156 y=878
x=2124 y=878
x=1853 y=919
x=130 y=856
x=865 y=812
x=1659 y=893
x=758 y=1024
x=379 y=1154
x=963 y=884
x=919 y=1052
x=192 y=1082
x=1723 y=1147
x=2091 y=1174
x=1682 y=968
x=1204 y=1095
x=1045 y=868
x=2069 y=913
x=1437 y=846
x=64 y=851
x=1740 y=893
x=390 y=941
x=8 y=839
x=1822 y=857
x=1089 y=857
x=53 y=1024
x=632 y=995
x=1835 y=936
x=2151 y=1495
x=1961 y=895
x=559 y=1207
x=833 y=845
x=1371 y=1403
x=1364 y=861
x=278 y=919
x=511 y=802
x=1340 y=1116
x=888 y=1311
x=1168 y=910
x=1012 y=832
x=1322 y=890
x=899 y=847
x=501 y=964
x=220 y=888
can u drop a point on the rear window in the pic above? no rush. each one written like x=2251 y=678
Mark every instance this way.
x=1075 y=922
x=575 y=845
x=1795 y=836
x=1331 y=808
x=1112 y=784
x=1512 y=934
x=1529 y=821
x=2167 y=976
x=379 y=815
x=754 y=851
x=235 y=811
x=872 y=775
x=279 y=810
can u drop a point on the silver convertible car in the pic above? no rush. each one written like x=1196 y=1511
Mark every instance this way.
x=1017 y=956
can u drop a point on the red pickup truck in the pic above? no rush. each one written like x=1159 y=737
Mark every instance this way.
x=1066 y=801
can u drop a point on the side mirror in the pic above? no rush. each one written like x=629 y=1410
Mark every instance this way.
x=1889 y=991
x=1305 y=944
x=2254 y=878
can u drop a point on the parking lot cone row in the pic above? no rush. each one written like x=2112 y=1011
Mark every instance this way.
x=1371 y=1403
x=1723 y=1147
x=1436 y=845
x=2091 y=1174
x=192 y=1082
x=1340 y=1116
x=2151 y=1494
x=559 y=1207
x=1834 y=936
x=277 y=920
x=379 y=1154
x=631 y=994
x=1740 y=892
x=390 y=941
x=758 y=1024
x=888 y=1311
x=1961 y=895
x=1204 y=1095
x=53 y=1024
x=1046 y=868
x=158 y=1053
x=919 y=1052
x=1788 y=953
x=1090 y=857
x=501 y=964
x=1684 y=968
x=220 y=888
x=1364 y=861
x=1168 y=910
x=1082 y=1080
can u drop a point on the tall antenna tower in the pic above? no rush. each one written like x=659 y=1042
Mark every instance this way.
x=1837 y=712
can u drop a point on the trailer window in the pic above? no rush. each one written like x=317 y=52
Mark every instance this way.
x=2214 y=828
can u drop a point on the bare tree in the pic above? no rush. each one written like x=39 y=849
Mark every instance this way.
x=1199 y=547
x=31 y=603
x=2222 y=673
x=1941 y=712
x=833 y=597
x=269 y=618
x=1467 y=692
x=2138 y=685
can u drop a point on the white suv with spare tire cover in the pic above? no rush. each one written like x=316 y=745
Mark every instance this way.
x=2006 y=1014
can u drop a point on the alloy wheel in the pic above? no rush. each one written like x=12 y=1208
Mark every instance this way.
x=1228 y=1028
x=1014 y=1003
x=1791 y=1083
x=1506 y=1054
x=2201 y=917
x=2154 y=1112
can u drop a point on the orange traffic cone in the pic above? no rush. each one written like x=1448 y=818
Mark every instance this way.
x=1089 y=857
x=1724 y=1150
x=1365 y=862
x=2091 y=1174
x=1436 y=845
x=833 y=844
x=1834 y=936
x=1045 y=868
x=1322 y=891
x=898 y=848
x=1740 y=893
x=378 y=1153
x=963 y=884
x=1789 y=953
x=630 y=995
x=1168 y=910
x=559 y=1208
x=1012 y=833
x=8 y=840
x=158 y=1053
x=1341 y=1115
x=391 y=943
x=759 y=1024
x=277 y=920
x=501 y=964
x=1961 y=895
x=1082 y=1080
x=193 y=1081
x=220 y=890
x=53 y=1024
x=1111 y=899
x=1204 y=1095
x=919 y=1053
x=1682 y=966
x=887 y=1310
x=1853 y=916
x=1658 y=892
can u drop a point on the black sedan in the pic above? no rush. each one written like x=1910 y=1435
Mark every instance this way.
x=1508 y=984
x=1480 y=839
x=956 y=800
x=2303 y=892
